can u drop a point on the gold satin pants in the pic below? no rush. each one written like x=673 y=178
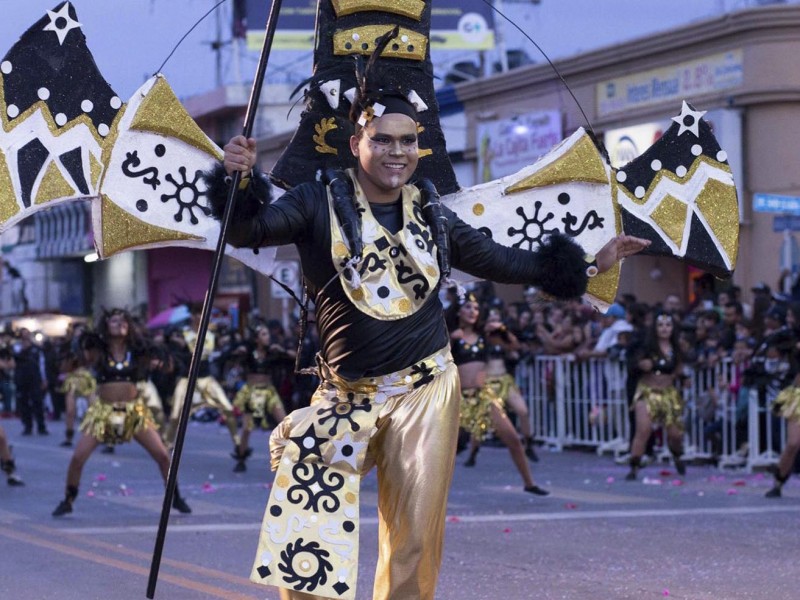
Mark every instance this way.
x=208 y=393
x=414 y=452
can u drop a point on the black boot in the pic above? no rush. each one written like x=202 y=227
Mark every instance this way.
x=530 y=451
x=680 y=466
x=462 y=442
x=241 y=458
x=775 y=492
x=470 y=462
x=179 y=503
x=68 y=435
x=635 y=462
x=9 y=468
x=536 y=490
x=65 y=506
x=245 y=456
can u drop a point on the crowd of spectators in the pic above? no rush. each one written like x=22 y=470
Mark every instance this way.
x=757 y=341
x=736 y=346
x=714 y=327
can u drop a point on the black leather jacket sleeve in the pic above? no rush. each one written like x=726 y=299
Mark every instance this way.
x=557 y=266
x=287 y=220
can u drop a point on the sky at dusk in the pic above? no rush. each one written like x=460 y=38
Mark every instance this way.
x=130 y=39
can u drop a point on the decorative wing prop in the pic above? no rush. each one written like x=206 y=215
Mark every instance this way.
x=152 y=193
x=66 y=136
x=679 y=194
x=56 y=112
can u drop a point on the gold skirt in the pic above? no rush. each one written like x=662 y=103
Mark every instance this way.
x=503 y=385
x=664 y=406
x=257 y=401
x=117 y=423
x=787 y=403
x=476 y=410
x=81 y=383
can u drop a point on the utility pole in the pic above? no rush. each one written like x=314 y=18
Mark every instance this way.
x=500 y=41
x=216 y=46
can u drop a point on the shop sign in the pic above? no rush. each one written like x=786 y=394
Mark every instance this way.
x=674 y=83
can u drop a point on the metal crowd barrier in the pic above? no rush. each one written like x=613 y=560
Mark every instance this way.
x=584 y=403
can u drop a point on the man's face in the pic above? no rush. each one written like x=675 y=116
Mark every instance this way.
x=729 y=315
x=387 y=154
x=672 y=304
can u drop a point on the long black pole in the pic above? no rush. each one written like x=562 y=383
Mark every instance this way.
x=194 y=367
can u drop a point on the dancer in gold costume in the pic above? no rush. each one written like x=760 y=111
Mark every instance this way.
x=208 y=391
x=502 y=343
x=482 y=409
x=120 y=359
x=787 y=404
x=657 y=399
x=258 y=397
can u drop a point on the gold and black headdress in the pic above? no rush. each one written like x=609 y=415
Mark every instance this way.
x=395 y=40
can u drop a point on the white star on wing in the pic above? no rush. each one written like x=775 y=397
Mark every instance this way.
x=353 y=447
x=686 y=111
x=61 y=32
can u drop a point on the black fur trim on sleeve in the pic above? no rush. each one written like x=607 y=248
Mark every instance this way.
x=248 y=201
x=562 y=268
x=344 y=205
x=434 y=217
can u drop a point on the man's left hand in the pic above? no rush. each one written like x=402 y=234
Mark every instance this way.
x=618 y=248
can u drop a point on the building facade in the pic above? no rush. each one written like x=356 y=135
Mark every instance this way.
x=740 y=68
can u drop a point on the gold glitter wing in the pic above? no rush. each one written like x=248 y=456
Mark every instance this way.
x=567 y=190
x=152 y=193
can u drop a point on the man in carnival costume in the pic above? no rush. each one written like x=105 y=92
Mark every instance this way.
x=374 y=251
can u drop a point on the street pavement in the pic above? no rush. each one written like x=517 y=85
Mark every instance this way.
x=710 y=536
